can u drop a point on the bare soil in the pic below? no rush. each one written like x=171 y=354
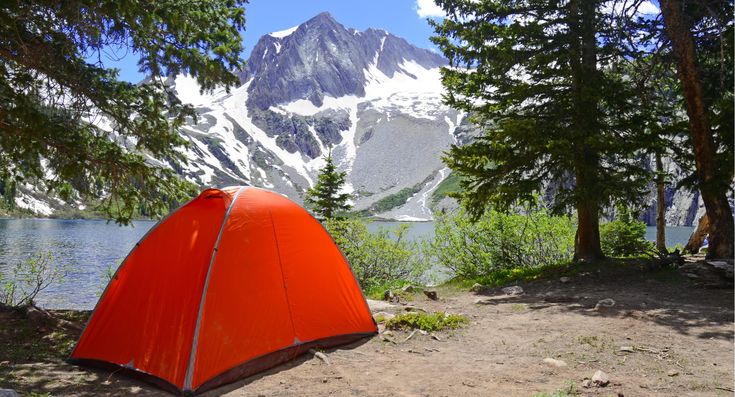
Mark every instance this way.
x=676 y=340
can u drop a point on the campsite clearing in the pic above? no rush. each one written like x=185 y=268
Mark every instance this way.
x=657 y=335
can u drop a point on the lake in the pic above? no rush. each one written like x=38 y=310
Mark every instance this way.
x=91 y=246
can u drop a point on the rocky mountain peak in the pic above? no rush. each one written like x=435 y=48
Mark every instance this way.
x=322 y=58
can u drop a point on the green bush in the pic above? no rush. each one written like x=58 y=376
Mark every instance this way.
x=427 y=321
x=379 y=258
x=28 y=278
x=625 y=236
x=394 y=200
x=497 y=241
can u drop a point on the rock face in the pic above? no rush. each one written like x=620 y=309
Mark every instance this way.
x=322 y=58
x=370 y=97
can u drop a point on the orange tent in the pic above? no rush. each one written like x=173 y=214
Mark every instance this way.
x=234 y=282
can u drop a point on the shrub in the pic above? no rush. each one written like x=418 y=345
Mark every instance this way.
x=29 y=278
x=499 y=241
x=427 y=321
x=378 y=258
x=625 y=236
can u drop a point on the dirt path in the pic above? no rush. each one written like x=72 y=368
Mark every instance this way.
x=680 y=342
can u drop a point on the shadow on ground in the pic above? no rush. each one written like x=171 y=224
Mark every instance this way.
x=662 y=296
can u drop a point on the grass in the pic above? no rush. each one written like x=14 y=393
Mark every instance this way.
x=380 y=318
x=376 y=292
x=567 y=391
x=397 y=199
x=611 y=266
x=449 y=185
x=503 y=277
x=15 y=212
x=427 y=321
x=558 y=393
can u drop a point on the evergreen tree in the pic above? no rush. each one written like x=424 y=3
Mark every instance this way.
x=325 y=199
x=68 y=124
x=541 y=79
x=701 y=37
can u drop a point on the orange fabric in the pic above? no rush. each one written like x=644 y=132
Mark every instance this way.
x=146 y=317
x=277 y=280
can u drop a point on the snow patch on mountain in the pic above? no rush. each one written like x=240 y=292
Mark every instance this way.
x=284 y=33
x=33 y=204
x=187 y=89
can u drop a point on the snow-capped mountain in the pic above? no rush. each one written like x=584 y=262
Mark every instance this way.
x=370 y=97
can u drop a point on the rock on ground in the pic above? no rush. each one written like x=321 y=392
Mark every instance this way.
x=514 y=290
x=554 y=362
x=600 y=379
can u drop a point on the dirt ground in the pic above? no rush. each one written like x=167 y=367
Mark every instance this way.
x=676 y=340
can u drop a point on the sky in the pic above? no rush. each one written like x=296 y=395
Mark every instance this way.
x=404 y=18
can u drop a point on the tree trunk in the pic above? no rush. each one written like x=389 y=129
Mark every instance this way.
x=660 y=207
x=697 y=238
x=585 y=90
x=715 y=199
x=587 y=246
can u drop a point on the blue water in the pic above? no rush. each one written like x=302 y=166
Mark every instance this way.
x=90 y=247
x=87 y=247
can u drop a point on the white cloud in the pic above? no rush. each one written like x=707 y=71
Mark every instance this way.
x=644 y=9
x=427 y=8
x=648 y=7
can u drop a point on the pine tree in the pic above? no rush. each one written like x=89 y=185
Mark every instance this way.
x=325 y=199
x=67 y=124
x=541 y=79
x=704 y=61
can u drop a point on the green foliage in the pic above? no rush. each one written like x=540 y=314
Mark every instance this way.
x=541 y=79
x=427 y=321
x=28 y=278
x=568 y=391
x=625 y=236
x=107 y=276
x=394 y=200
x=713 y=33
x=377 y=258
x=501 y=244
x=376 y=291
x=448 y=187
x=55 y=91
x=325 y=199
x=503 y=277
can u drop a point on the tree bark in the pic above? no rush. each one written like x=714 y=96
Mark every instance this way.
x=583 y=52
x=697 y=238
x=660 y=207
x=715 y=199
x=587 y=246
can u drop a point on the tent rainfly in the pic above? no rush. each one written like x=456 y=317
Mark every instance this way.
x=236 y=281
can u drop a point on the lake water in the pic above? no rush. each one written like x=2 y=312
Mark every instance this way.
x=89 y=247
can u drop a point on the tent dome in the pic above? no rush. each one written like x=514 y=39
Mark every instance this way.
x=234 y=282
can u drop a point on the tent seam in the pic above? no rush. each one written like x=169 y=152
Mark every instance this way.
x=195 y=340
x=122 y=265
x=283 y=277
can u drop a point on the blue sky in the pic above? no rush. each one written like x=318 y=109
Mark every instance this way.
x=404 y=18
